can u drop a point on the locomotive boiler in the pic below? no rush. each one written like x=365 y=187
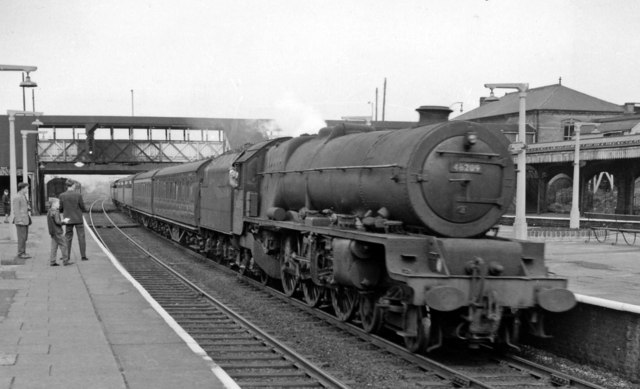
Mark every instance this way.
x=387 y=227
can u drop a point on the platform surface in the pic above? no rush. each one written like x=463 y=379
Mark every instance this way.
x=85 y=326
x=603 y=270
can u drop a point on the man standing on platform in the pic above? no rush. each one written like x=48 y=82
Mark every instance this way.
x=21 y=212
x=58 y=240
x=72 y=206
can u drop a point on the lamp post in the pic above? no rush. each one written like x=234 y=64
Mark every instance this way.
x=13 y=171
x=520 y=222
x=574 y=216
x=26 y=83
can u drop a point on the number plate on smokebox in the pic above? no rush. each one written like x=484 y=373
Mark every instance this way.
x=466 y=167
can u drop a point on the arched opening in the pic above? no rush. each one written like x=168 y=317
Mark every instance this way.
x=559 y=191
x=601 y=194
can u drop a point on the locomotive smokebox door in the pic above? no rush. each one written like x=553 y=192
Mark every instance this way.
x=463 y=186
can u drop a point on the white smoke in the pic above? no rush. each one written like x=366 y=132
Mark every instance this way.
x=295 y=118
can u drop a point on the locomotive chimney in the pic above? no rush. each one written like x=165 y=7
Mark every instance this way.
x=430 y=114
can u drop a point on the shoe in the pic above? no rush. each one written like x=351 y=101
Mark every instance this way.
x=68 y=263
x=24 y=256
x=85 y=258
x=54 y=264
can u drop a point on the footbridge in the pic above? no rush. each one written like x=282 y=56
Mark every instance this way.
x=113 y=145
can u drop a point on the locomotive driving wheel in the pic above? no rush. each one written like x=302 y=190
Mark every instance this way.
x=289 y=273
x=370 y=315
x=417 y=329
x=312 y=293
x=344 y=301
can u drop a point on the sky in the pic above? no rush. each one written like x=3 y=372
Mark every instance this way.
x=303 y=62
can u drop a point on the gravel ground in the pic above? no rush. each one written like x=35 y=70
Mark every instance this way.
x=346 y=357
x=593 y=374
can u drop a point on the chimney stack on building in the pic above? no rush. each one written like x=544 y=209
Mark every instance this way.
x=631 y=108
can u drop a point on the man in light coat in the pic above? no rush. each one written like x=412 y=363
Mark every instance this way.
x=21 y=212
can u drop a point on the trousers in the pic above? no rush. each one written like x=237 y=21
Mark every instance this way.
x=68 y=233
x=58 y=241
x=22 y=232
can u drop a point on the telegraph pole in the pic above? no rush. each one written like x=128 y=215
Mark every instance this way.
x=384 y=98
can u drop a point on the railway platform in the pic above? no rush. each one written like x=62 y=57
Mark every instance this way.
x=87 y=326
x=610 y=272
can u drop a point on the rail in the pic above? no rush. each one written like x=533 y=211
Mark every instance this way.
x=173 y=298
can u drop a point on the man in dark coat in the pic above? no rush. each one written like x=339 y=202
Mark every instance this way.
x=72 y=206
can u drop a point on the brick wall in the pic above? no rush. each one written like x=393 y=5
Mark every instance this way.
x=596 y=336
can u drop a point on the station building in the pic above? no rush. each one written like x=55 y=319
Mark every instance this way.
x=609 y=156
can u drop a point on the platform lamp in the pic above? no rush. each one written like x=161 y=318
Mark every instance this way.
x=27 y=83
x=520 y=222
x=574 y=215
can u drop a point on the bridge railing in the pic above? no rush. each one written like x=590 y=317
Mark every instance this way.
x=126 y=151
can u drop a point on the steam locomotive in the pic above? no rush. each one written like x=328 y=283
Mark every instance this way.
x=389 y=227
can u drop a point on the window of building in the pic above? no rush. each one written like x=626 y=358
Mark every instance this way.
x=159 y=134
x=176 y=134
x=45 y=133
x=194 y=135
x=121 y=133
x=568 y=129
x=64 y=132
x=140 y=134
x=80 y=133
x=214 y=135
x=102 y=133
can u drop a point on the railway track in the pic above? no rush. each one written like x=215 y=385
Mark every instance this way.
x=249 y=355
x=483 y=369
